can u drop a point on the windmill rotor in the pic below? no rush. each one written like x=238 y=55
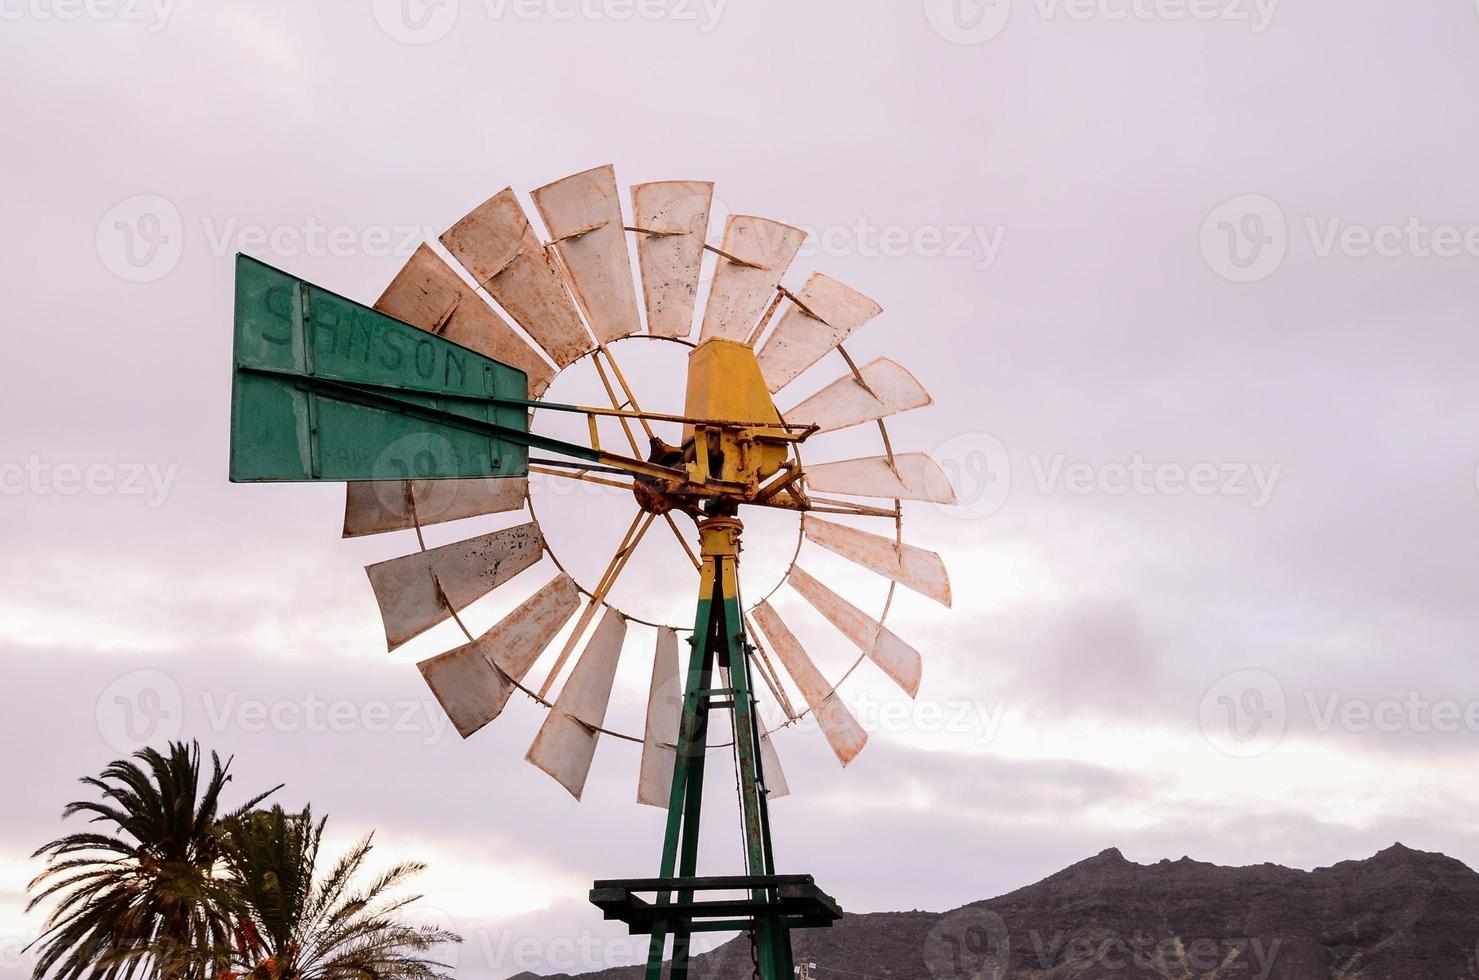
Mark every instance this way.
x=545 y=304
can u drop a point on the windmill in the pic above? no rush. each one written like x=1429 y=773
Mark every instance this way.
x=423 y=405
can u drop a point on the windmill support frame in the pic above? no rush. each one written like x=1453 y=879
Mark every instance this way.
x=770 y=905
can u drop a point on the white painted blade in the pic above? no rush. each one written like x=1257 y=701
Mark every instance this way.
x=917 y=478
x=739 y=292
x=664 y=714
x=406 y=588
x=470 y=689
x=427 y=293
x=886 y=389
x=565 y=745
x=923 y=571
x=583 y=215
x=842 y=730
x=801 y=338
x=670 y=261
x=377 y=506
x=898 y=659
x=775 y=777
x=497 y=245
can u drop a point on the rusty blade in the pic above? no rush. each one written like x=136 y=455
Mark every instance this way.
x=898 y=659
x=843 y=732
x=377 y=506
x=775 y=777
x=923 y=571
x=885 y=389
x=566 y=742
x=741 y=290
x=828 y=313
x=408 y=591
x=473 y=682
x=664 y=712
x=673 y=218
x=427 y=293
x=583 y=215
x=497 y=245
x=913 y=476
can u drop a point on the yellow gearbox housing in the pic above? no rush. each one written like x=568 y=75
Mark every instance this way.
x=725 y=386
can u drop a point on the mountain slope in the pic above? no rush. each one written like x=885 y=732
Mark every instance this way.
x=1399 y=915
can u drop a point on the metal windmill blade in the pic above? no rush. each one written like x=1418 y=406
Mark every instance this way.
x=823 y=314
x=755 y=254
x=583 y=213
x=497 y=246
x=671 y=218
x=879 y=389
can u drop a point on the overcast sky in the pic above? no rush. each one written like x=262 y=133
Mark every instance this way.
x=1192 y=284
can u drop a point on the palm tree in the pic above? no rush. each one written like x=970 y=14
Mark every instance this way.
x=142 y=896
x=295 y=924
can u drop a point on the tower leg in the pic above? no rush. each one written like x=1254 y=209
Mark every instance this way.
x=719 y=640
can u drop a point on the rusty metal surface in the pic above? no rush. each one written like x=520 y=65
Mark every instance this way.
x=917 y=569
x=802 y=338
x=583 y=215
x=473 y=682
x=676 y=213
x=377 y=506
x=566 y=742
x=913 y=476
x=427 y=293
x=842 y=730
x=741 y=290
x=898 y=659
x=775 y=777
x=885 y=389
x=407 y=588
x=664 y=712
x=497 y=245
